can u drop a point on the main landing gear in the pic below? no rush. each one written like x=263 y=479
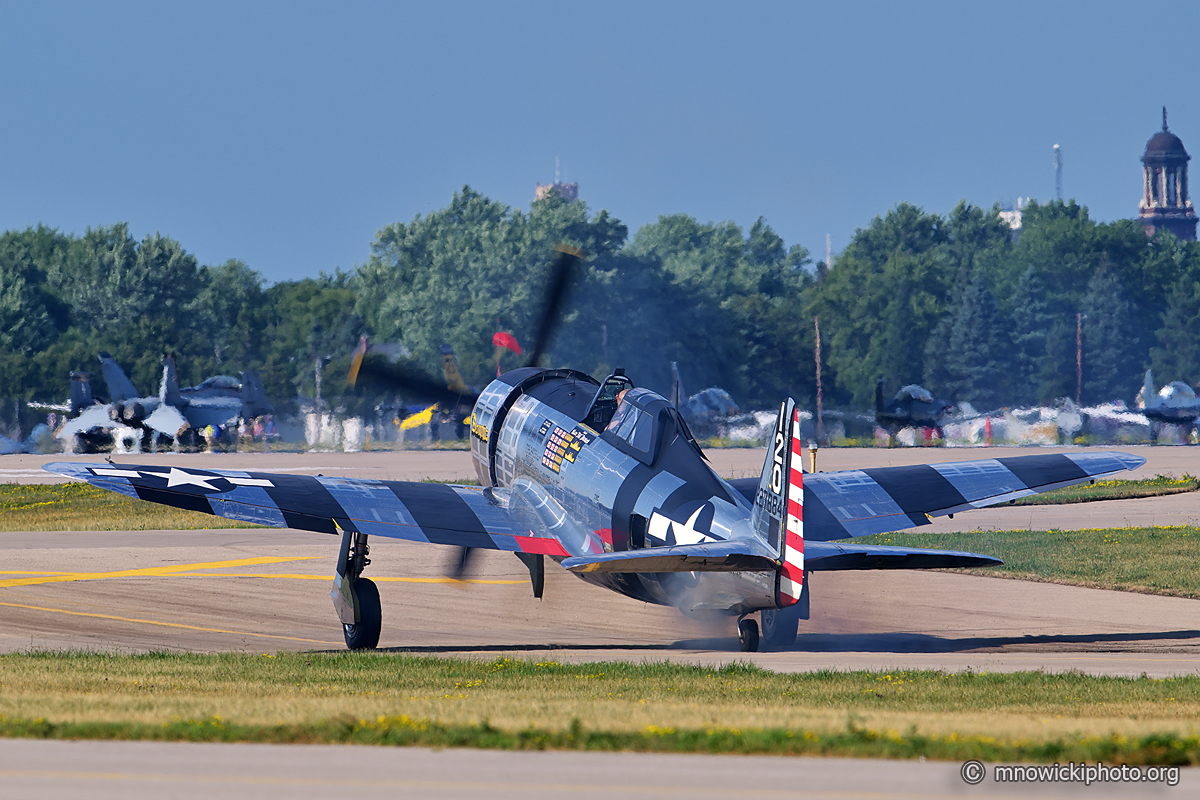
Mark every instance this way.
x=748 y=635
x=355 y=598
x=779 y=625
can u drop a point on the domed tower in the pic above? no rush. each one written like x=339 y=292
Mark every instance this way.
x=1165 y=204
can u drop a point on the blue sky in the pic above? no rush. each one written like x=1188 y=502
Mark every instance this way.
x=287 y=134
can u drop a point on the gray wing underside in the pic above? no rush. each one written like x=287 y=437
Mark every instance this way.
x=748 y=555
x=852 y=503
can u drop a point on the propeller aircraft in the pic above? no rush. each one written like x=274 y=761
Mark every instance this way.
x=606 y=479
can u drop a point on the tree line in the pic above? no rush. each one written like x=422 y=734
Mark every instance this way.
x=952 y=302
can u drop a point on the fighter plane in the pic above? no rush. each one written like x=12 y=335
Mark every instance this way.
x=215 y=401
x=912 y=407
x=1174 y=404
x=606 y=479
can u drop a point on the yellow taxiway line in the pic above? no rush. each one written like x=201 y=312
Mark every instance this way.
x=164 y=624
x=190 y=571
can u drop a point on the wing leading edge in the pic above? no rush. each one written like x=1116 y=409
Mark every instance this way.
x=421 y=512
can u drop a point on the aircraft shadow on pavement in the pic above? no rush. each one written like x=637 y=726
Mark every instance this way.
x=927 y=643
x=694 y=644
x=840 y=643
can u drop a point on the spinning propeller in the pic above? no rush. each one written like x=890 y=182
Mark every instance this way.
x=376 y=372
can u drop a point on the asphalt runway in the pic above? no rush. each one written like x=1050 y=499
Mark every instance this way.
x=264 y=590
x=51 y=770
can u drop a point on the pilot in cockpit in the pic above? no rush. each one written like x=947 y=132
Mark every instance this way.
x=618 y=415
x=604 y=407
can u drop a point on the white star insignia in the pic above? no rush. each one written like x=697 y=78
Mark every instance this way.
x=178 y=477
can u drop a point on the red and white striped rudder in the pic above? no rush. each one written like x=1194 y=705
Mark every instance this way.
x=791 y=573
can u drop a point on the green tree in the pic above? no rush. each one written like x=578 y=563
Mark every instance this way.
x=1031 y=325
x=882 y=300
x=971 y=365
x=1111 y=357
x=1177 y=355
x=230 y=306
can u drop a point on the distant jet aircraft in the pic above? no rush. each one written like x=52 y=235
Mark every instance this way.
x=1174 y=404
x=912 y=407
x=217 y=401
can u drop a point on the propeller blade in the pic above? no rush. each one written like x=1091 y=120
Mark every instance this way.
x=458 y=566
x=377 y=373
x=356 y=361
x=561 y=274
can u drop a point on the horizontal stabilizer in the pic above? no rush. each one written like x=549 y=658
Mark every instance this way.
x=829 y=556
x=739 y=555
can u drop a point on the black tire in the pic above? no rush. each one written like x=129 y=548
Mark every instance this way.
x=748 y=635
x=365 y=635
x=779 y=625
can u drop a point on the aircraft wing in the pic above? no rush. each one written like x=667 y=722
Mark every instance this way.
x=850 y=503
x=419 y=512
x=88 y=419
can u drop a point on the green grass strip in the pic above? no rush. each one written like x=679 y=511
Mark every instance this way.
x=1148 y=560
x=1112 y=490
x=856 y=742
x=376 y=698
x=83 y=507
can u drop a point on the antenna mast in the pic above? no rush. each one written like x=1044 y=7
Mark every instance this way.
x=1058 y=172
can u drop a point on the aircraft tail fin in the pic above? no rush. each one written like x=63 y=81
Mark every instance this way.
x=254 y=396
x=1148 y=390
x=168 y=392
x=81 y=391
x=879 y=402
x=119 y=385
x=779 y=503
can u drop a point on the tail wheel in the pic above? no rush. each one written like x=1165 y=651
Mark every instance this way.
x=365 y=634
x=779 y=625
x=748 y=635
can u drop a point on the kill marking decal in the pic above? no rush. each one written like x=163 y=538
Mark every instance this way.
x=564 y=446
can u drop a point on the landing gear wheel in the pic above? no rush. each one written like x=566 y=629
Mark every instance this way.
x=748 y=635
x=365 y=635
x=779 y=625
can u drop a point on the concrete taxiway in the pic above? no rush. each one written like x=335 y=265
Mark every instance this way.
x=262 y=590
x=265 y=590
x=52 y=770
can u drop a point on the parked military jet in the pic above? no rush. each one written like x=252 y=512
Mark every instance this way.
x=607 y=480
x=216 y=401
x=1174 y=404
x=912 y=407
